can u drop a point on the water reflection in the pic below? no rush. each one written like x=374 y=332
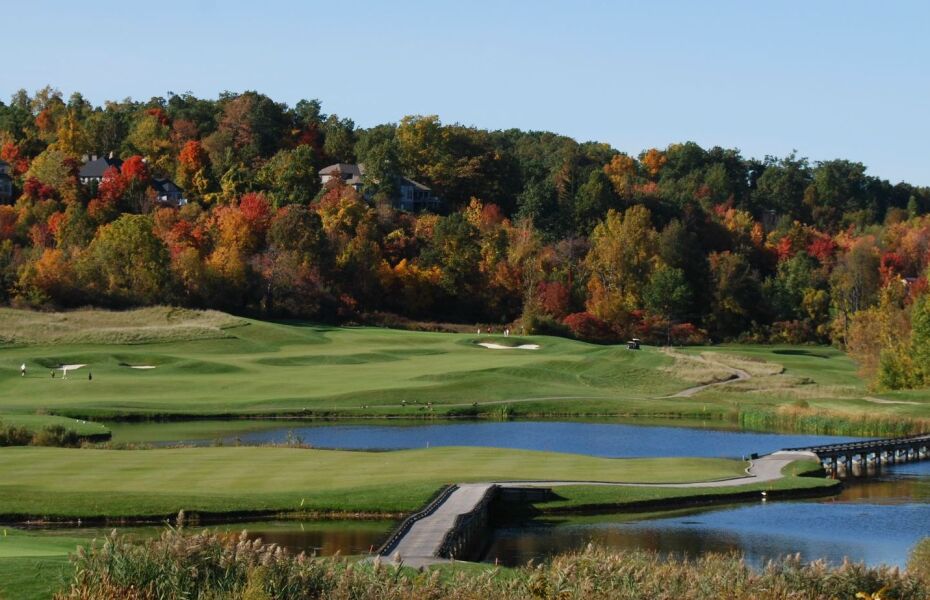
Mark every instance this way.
x=322 y=538
x=873 y=521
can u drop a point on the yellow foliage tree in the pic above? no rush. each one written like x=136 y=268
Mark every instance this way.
x=623 y=255
x=621 y=171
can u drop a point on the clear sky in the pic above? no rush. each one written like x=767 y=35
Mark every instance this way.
x=830 y=78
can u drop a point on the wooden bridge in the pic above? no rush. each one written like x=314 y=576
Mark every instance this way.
x=866 y=457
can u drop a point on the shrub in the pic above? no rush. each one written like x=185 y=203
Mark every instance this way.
x=918 y=563
x=588 y=327
x=58 y=436
x=53 y=435
x=540 y=324
x=11 y=435
x=687 y=334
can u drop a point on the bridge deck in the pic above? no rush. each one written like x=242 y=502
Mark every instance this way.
x=420 y=545
x=867 y=445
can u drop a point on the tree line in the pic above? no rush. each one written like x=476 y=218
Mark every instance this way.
x=675 y=245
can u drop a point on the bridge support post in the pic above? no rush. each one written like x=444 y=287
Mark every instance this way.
x=856 y=459
x=868 y=464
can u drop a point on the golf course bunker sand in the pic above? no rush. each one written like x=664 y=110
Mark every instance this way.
x=492 y=346
x=141 y=366
x=67 y=368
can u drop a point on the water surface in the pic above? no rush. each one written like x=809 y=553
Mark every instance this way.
x=594 y=439
x=876 y=521
x=317 y=537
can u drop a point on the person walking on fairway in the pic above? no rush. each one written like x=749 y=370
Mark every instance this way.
x=22 y=370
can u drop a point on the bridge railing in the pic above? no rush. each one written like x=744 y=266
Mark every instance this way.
x=459 y=532
x=881 y=443
x=407 y=523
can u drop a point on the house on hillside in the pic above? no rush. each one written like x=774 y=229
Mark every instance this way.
x=95 y=166
x=6 y=183
x=412 y=196
x=167 y=192
x=163 y=189
x=350 y=174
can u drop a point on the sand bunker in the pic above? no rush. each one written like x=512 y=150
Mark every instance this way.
x=141 y=366
x=67 y=368
x=883 y=401
x=502 y=347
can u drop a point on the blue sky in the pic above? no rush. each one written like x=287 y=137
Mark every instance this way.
x=829 y=78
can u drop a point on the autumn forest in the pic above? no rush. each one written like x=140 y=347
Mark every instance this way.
x=531 y=230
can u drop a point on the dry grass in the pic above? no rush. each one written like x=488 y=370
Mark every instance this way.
x=221 y=567
x=711 y=367
x=155 y=324
x=697 y=369
x=756 y=367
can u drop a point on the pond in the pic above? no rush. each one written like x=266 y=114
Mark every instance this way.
x=876 y=521
x=609 y=439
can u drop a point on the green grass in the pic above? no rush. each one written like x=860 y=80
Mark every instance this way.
x=34 y=565
x=33 y=578
x=601 y=498
x=269 y=368
x=38 y=422
x=210 y=364
x=52 y=482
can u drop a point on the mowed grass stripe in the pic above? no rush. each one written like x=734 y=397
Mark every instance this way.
x=61 y=482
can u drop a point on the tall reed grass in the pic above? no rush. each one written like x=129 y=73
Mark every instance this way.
x=223 y=567
x=805 y=420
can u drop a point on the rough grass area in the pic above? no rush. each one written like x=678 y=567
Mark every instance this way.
x=94 y=326
x=58 y=483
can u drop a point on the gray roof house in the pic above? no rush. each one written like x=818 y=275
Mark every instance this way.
x=167 y=192
x=6 y=182
x=350 y=174
x=95 y=166
x=412 y=196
